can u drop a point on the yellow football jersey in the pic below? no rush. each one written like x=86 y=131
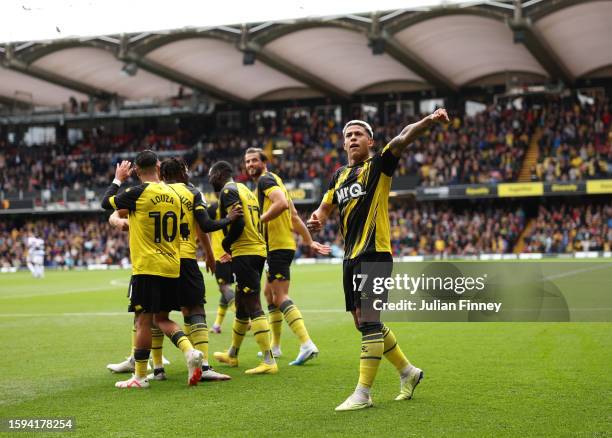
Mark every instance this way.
x=361 y=193
x=192 y=200
x=251 y=241
x=278 y=232
x=155 y=215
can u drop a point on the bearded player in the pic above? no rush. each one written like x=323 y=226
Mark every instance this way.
x=280 y=220
x=360 y=191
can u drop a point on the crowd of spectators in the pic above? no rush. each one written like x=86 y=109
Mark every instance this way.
x=442 y=230
x=69 y=243
x=486 y=148
x=576 y=142
x=302 y=144
x=427 y=229
x=86 y=164
x=566 y=228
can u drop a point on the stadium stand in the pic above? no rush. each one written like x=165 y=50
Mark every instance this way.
x=567 y=228
x=69 y=242
x=576 y=143
x=482 y=149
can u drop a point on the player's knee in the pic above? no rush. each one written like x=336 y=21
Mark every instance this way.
x=257 y=313
x=242 y=315
x=242 y=311
x=160 y=318
x=270 y=299
x=355 y=316
x=253 y=305
x=198 y=318
x=143 y=322
x=367 y=328
x=255 y=309
x=279 y=300
x=227 y=295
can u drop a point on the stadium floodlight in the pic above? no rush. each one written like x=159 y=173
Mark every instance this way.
x=248 y=57
x=129 y=69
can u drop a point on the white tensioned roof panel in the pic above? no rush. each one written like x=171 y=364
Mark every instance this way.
x=219 y=63
x=101 y=69
x=28 y=89
x=341 y=57
x=468 y=47
x=580 y=35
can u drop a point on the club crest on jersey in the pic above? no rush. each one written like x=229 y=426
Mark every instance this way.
x=353 y=191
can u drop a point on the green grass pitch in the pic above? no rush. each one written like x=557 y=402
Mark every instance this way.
x=514 y=379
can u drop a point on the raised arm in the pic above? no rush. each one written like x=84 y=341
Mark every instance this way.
x=122 y=173
x=411 y=132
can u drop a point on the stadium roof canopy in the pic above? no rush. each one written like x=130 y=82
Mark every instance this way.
x=446 y=47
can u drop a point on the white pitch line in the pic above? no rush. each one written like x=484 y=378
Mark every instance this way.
x=63 y=292
x=119 y=283
x=577 y=271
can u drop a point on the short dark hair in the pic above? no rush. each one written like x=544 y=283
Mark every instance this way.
x=174 y=170
x=222 y=168
x=262 y=156
x=146 y=159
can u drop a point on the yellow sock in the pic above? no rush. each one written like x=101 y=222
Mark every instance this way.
x=141 y=357
x=157 y=340
x=221 y=311
x=392 y=351
x=197 y=331
x=133 y=339
x=275 y=318
x=294 y=318
x=181 y=341
x=261 y=332
x=372 y=347
x=239 y=330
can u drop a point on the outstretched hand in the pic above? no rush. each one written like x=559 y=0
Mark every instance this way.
x=123 y=171
x=440 y=116
x=320 y=248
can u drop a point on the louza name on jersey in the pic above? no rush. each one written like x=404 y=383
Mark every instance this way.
x=162 y=198
x=353 y=191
